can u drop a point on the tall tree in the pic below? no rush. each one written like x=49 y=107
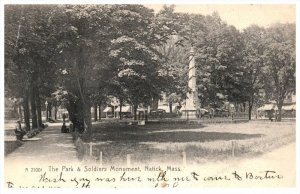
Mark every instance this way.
x=253 y=64
x=30 y=61
x=175 y=68
x=83 y=31
x=280 y=61
x=16 y=72
x=135 y=55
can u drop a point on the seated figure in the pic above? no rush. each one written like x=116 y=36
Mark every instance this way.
x=19 y=131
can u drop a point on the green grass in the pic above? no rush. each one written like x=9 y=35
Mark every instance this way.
x=165 y=142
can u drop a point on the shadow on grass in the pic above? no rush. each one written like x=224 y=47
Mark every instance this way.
x=176 y=136
x=177 y=132
x=119 y=139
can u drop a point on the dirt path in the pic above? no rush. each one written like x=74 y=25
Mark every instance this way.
x=50 y=147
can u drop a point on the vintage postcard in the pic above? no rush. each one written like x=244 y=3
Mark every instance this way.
x=146 y=95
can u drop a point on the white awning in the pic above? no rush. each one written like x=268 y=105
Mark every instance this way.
x=164 y=107
x=142 y=109
x=107 y=109
x=267 y=107
x=167 y=108
x=289 y=107
x=124 y=109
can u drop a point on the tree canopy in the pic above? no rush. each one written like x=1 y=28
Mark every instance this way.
x=78 y=55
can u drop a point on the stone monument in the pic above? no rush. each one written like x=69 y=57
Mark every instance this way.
x=189 y=110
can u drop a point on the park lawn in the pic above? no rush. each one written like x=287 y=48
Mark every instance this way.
x=165 y=142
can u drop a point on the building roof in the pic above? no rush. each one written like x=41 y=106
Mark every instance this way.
x=289 y=107
x=274 y=107
x=107 y=109
x=267 y=107
x=142 y=109
x=124 y=109
x=167 y=107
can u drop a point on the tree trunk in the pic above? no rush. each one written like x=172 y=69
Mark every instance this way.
x=55 y=112
x=86 y=108
x=146 y=116
x=33 y=107
x=88 y=121
x=155 y=105
x=134 y=112
x=99 y=111
x=250 y=109
x=47 y=115
x=38 y=107
x=121 y=105
x=279 y=105
x=170 y=106
x=49 y=110
x=20 y=112
x=72 y=115
x=15 y=112
x=95 y=112
x=26 y=112
x=279 y=114
x=80 y=68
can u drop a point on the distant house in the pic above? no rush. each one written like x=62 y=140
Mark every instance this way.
x=163 y=105
x=115 y=111
x=270 y=109
x=112 y=109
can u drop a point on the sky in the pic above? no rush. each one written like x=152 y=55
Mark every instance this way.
x=238 y=15
x=242 y=16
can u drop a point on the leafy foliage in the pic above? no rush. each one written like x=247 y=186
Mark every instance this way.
x=280 y=60
x=78 y=55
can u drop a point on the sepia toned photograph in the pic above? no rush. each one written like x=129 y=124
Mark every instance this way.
x=149 y=96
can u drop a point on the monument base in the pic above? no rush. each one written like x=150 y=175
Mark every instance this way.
x=189 y=114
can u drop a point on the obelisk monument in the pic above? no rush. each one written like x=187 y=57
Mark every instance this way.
x=189 y=110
